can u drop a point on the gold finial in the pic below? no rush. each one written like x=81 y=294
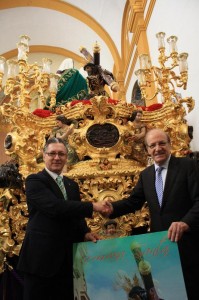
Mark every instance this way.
x=96 y=48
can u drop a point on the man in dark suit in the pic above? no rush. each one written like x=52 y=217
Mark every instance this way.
x=178 y=211
x=56 y=221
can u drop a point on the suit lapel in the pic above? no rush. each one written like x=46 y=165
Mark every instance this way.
x=54 y=187
x=67 y=187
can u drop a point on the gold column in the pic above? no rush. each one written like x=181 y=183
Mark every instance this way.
x=138 y=28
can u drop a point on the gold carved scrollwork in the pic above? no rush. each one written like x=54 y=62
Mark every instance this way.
x=13 y=220
x=114 y=188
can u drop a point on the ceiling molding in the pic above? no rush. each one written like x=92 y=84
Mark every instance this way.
x=47 y=49
x=73 y=11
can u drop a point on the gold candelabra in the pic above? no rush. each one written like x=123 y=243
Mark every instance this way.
x=164 y=77
x=26 y=82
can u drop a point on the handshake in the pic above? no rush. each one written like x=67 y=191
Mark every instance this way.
x=104 y=207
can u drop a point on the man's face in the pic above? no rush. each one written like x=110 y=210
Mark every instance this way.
x=55 y=157
x=158 y=146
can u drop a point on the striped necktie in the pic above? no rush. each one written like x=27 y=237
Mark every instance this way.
x=60 y=183
x=159 y=184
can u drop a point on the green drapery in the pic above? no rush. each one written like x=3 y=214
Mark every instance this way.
x=72 y=85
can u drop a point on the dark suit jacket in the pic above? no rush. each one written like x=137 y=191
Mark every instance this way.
x=180 y=197
x=180 y=203
x=54 y=224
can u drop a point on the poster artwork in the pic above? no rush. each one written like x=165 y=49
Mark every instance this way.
x=144 y=267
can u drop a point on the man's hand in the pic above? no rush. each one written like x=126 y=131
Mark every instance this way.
x=176 y=231
x=103 y=207
x=91 y=236
x=109 y=209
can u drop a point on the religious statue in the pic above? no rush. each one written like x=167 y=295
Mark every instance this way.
x=135 y=136
x=97 y=76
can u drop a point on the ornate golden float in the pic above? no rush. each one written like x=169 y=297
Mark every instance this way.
x=109 y=162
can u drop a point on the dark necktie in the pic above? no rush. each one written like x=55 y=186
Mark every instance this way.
x=60 y=183
x=159 y=184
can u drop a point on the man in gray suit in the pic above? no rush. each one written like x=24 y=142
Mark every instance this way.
x=175 y=208
x=56 y=221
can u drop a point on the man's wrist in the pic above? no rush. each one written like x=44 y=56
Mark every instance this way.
x=95 y=207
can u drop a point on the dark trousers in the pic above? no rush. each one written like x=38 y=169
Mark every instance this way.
x=53 y=288
x=189 y=250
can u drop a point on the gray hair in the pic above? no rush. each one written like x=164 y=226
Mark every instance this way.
x=54 y=140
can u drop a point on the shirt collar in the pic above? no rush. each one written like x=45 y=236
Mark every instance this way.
x=52 y=174
x=165 y=165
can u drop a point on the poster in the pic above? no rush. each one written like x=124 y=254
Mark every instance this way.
x=146 y=265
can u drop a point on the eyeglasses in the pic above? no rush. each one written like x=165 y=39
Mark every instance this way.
x=53 y=154
x=160 y=144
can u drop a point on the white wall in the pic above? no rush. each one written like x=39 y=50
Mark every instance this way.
x=180 y=18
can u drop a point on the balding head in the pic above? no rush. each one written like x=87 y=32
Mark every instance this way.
x=158 y=145
x=155 y=131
